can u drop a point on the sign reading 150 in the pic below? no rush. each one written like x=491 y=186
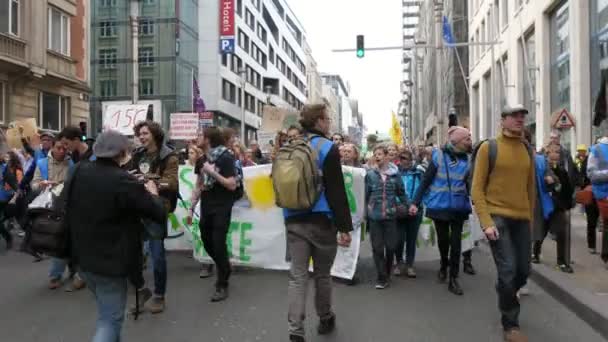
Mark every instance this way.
x=127 y=118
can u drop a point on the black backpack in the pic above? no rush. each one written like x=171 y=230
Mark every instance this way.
x=492 y=156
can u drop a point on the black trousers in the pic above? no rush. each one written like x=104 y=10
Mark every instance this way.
x=214 y=225
x=384 y=242
x=557 y=224
x=593 y=214
x=449 y=236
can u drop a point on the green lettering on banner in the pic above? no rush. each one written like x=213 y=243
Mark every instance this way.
x=244 y=242
x=183 y=178
x=348 y=184
x=233 y=226
x=174 y=222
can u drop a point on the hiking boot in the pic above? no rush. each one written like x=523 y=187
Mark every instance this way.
x=536 y=259
x=220 y=294
x=442 y=275
x=206 y=271
x=55 y=283
x=144 y=295
x=381 y=285
x=76 y=284
x=565 y=268
x=326 y=326
x=411 y=273
x=155 y=305
x=468 y=268
x=296 y=338
x=515 y=335
x=454 y=287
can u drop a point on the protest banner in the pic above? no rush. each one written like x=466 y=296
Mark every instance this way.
x=205 y=119
x=123 y=118
x=266 y=141
x=256 y=236
x=275 y=119
x=184 y=126
x=29 y=131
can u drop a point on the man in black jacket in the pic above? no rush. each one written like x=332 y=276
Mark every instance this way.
x=105 y=206
x=157 y=160
x=312 y=233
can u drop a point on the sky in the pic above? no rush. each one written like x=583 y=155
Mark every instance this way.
x=374 y=79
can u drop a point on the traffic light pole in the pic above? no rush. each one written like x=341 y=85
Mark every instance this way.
x=440 y=113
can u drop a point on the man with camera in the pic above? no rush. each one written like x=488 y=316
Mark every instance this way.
x=154 y=160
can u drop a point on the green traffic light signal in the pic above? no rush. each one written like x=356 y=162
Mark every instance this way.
x=360 y=46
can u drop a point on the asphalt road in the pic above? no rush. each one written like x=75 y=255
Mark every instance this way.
x=410 y=310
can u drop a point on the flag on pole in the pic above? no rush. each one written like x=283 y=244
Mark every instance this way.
x=448 y=37
x=198 y=105
x=395 y=132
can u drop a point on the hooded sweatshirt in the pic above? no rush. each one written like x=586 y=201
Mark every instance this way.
x=384 y=190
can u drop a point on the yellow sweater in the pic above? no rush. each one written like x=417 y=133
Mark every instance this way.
x=510 y=190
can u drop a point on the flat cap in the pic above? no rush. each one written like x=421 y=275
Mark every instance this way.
x=518 y=108
x=110 y=144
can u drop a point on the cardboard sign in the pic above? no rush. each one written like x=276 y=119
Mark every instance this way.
x=275 y=119
x=266 y=141
x=184 y=126
x=123 y=118
x=29 y=132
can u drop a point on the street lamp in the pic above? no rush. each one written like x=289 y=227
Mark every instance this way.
x=243 y=78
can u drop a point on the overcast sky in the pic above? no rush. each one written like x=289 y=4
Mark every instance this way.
x=375 y=79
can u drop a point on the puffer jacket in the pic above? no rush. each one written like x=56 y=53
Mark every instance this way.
x=383 y=196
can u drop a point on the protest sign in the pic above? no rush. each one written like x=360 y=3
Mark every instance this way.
x=184 y=126
x=29 y=131
x=275 y=119
x=123 y=118
x=205 y=119
x=266 y=141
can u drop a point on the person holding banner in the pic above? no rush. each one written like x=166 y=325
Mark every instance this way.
x=312 y=233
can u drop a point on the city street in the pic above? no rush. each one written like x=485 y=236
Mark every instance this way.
x=410 y=310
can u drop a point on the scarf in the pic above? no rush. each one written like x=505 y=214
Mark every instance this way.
x=213 y=155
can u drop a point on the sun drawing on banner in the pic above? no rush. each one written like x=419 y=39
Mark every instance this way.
x=260 y=193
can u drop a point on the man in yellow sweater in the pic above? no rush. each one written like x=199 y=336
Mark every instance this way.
x=504 y=197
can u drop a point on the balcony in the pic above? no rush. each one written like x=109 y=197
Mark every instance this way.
x=61 y=66
x=12 y=49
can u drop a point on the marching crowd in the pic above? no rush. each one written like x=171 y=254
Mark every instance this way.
x=117 y=194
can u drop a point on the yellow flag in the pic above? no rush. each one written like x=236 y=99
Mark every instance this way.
x=395 y=132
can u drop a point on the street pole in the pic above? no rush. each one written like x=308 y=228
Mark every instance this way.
x=134 y=14
x=242 y=74
x=438 y=67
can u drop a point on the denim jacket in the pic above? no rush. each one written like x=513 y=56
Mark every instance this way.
x=383 y=196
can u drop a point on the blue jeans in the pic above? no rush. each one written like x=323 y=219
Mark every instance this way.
x=58 y=268
x=111 y=298
x=512 y=255
x=159 y=266
x=407 y=234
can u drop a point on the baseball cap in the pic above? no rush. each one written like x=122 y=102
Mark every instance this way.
x=510 y=110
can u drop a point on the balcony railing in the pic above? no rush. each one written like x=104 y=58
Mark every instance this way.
x=60 y=65
x=12 y=47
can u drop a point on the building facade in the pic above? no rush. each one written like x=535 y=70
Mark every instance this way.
x=550 y=56
x=330 y=98
x=44 y=62
x=167 y=41
x=268 y=64
x=411 y=18
x=429 y=114
x=344 y=114
x=314 y=84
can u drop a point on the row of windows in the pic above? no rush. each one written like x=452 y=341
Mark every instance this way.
x=291 y=76
x=252 y=49
x=109 y=29
x=292 y=54
x=112 y=3
x=236 y=64
x=232 y=94
x=108 y=57
x=291 y=99
x=108 y=88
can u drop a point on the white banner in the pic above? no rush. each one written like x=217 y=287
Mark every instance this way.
x=184 y=126
x=122 y=118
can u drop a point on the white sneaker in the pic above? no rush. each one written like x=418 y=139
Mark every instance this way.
x=523 y=292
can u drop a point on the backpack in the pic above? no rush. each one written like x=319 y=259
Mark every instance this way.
x=296 y=177
x=492 y=156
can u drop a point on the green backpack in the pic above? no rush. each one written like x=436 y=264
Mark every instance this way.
x=296 y=178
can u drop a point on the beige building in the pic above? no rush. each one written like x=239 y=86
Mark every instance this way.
x=550 y=56
x=44 y=62
x=314 y=84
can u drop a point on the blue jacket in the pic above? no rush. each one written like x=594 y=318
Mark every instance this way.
x=597 y=170
x=322 y=206
x=383 y=196
x=449 y=191
x=412 y=179
x=544 y=196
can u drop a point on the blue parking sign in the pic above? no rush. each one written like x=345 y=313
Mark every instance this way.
x=227 y=45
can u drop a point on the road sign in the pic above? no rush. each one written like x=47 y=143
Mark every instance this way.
x=562 y=120
x=227 y=45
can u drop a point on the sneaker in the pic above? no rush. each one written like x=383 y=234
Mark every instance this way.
x=565 y=268
x=144 y=295
x=220 y=294
x=536 y=259
x=515 y=335
x=411 y=273
x=206 y=271
x=468 y=268
x=55 y=283
x=76 y=284
x=155 y=305
x=296 y=338
x=592 y=251
x=381 y=285
x=442 y=275
x=523 y=292
x=397 y=270
x=454 y=287
x=327 y=325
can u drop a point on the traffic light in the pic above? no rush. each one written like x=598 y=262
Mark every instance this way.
x=83 y=130
x=360 y=46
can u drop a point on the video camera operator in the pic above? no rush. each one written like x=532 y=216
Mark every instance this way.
x=155 y=160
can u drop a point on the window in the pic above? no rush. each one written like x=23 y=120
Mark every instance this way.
x=9 y=16
x=225 y=59
x=249 y=103
x=108 y=88
x=52 y=111
x=529 y=76
x=237 y=64
x=483 y=35
x=228 y=91
x=2 y=102
x=59 y=31
x=239 y=7
x=243 y=41
x=108 y=3
x=107 y=29
x=107 y=58
x=262 y=34
x=271 y=55
x=560 y=58
x=504 y=13
x=146 y=27
x=146 y=87
x=149 y=2
x=256 y=3
x=249 y=19
x=146 y=56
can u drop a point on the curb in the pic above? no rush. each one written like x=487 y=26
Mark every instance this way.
x=592 y=309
